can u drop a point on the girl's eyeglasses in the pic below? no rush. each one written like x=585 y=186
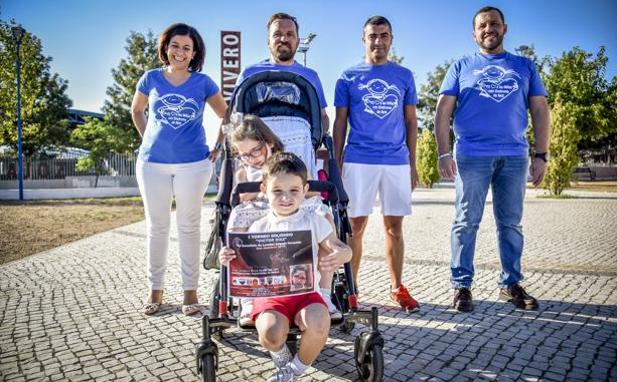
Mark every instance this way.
x=255 y=152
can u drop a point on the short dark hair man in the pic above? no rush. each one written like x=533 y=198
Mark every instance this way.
x=378 y=98
x=491 y=91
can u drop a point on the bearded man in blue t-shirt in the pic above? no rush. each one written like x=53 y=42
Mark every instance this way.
x=378 y=98
x=283 y=42
x=489 y=93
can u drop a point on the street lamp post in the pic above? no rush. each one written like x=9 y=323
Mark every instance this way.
x=18 y=34
x=305 y=44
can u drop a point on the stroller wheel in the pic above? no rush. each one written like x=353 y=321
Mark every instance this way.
x=208 y=372
x=371 y=367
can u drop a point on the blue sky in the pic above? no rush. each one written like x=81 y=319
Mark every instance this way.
x=87 y=38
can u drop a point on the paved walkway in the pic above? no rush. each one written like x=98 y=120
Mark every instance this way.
x=71 y=313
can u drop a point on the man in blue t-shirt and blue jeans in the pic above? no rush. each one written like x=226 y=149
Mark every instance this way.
x=489 y=93
x=378 y=98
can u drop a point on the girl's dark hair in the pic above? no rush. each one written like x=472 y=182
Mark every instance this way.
x=181 y=29
x=252 y=127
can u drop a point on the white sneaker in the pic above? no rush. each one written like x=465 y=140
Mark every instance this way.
x=246 y=308
x=332 y=309
x=284 y=374
x=283 y=359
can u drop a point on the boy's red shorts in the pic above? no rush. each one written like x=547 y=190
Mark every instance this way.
x=288 y=306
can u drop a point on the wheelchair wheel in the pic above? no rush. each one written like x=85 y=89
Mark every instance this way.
x=208 y=373
x=371 y=367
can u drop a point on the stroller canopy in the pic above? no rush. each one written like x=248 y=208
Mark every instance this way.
x=278 y=94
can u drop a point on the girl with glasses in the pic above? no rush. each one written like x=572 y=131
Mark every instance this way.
x=253 y=142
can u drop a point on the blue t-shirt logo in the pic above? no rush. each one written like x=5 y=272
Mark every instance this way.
x=492 y=93
x=496 y=82
x=381 y=98
x=176 y=110
x=175 y=131
x=376 y=96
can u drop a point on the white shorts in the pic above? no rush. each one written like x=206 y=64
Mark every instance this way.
x=362 y=182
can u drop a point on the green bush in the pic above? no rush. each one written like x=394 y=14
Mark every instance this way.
x=563 y=147
x=428 y=170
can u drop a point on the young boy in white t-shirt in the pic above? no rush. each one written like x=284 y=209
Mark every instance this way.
x=285 y=184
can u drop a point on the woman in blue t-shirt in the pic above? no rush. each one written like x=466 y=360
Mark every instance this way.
x=174 y=160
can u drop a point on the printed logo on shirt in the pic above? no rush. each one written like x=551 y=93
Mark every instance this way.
x=176 y=110
x=496 y=82
x=381 y=98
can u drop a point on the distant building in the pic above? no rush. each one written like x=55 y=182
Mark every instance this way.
x=76 y=117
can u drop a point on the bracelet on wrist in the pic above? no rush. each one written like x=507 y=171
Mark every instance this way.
x=444 y=155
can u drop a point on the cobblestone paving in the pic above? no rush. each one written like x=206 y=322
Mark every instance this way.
x=71 y=313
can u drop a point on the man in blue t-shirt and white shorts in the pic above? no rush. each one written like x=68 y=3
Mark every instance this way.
x=489 y=93
x=378 y=98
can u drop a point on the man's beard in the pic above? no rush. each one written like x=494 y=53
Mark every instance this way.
x=379 y=55
x=285 y=55
x=491 y=46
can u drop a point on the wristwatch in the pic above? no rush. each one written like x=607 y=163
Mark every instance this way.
x=543 y=156
x=218 y=146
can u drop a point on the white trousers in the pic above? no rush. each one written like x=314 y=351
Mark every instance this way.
x=159 y=183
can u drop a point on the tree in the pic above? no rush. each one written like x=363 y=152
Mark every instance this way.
x=116 y=133
x=395 y=58
x=428 y=170
x=142 y=56
x=101 y=138
x=578 y=78
x=529 y=51
x=44 y=104
x=429 y=92
x=563 y=147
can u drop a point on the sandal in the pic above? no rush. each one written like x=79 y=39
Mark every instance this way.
x=191 y=309
x=150 y=308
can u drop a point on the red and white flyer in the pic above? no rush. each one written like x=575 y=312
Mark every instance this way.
x=270 y=264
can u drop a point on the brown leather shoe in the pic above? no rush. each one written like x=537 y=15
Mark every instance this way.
x=463 y=301
x=517 y=296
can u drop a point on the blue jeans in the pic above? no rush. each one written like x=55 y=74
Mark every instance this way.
x=507 y=178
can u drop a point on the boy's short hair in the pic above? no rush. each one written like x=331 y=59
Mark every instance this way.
x=284 y=163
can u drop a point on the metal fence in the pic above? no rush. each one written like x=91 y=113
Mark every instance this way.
x=34 y=168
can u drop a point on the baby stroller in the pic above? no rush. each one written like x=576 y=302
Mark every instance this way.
x=286 y=101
